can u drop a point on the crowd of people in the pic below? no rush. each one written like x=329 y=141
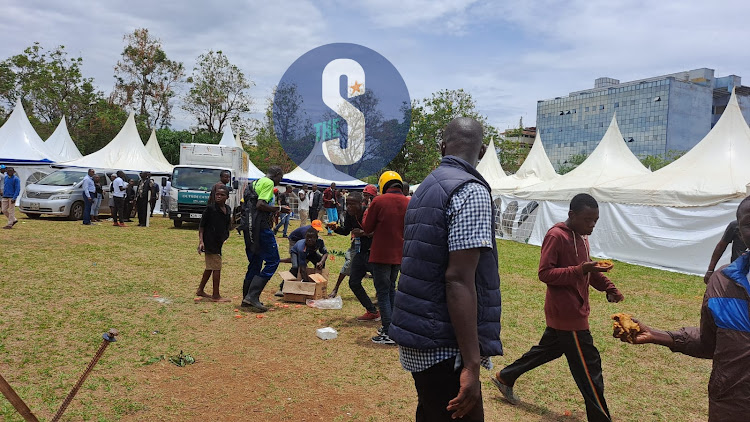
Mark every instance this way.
x=439 y=244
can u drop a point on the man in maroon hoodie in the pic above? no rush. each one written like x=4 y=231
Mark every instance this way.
x=567 y=269
x=385 y=220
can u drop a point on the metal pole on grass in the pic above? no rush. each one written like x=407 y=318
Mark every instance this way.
x=108 y=337
x=16 y=401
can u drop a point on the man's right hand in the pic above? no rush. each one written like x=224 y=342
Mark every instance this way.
x=590 y=267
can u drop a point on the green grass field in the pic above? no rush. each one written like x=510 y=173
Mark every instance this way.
x=64 y=284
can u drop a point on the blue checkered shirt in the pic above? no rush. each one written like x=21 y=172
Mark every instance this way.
x=469 y=217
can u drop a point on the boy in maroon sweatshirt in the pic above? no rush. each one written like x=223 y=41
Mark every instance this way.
x=567 y=269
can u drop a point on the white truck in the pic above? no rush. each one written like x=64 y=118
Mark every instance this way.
x=199 y=169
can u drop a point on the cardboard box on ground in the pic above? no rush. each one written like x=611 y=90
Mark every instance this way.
x=296 y=290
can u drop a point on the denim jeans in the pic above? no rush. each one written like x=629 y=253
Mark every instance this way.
x=384 y=277
x=268 y=253
x=359 y=269
x=87 y=209
x=283 y=219
x=333 y=217
x=96 y=205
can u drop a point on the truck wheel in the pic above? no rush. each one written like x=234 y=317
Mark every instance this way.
x=76 y=211
x=178 y=223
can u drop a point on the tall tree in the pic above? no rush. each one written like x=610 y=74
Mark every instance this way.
x=421 y=151
x=50 y=85
x=219 y=92
x=267 y=149
x=146 y=78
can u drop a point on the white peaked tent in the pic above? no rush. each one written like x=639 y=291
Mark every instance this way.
x=316 y=169
x=612 y=160
x=535 y=169
x=228 y=139
x=19 y=142
x=153 y=148
x=489 y=167
x=62 y=144
x=713 y=171
x=237 y=139
x=125 y=152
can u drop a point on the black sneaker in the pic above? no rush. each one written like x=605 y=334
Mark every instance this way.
x=507 y=391
x=383 y=339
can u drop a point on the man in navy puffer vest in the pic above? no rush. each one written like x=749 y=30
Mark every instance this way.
x=446 y=317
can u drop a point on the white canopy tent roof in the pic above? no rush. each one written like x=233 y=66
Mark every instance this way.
x=713 y=171
x=153 y=148
x=19 y=142
x=125 y=152
x=228 y=139
x=611 y=161
x=62 y=144
x=489 y=167
x=535 y=169
x=316 y=169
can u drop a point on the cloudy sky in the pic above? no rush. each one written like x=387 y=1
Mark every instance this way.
x=507 y=53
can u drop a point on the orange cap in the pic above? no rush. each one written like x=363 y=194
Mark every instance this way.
x=318 y=225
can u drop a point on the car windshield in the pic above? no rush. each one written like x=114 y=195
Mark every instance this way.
x=195 y=178
x=63 y=178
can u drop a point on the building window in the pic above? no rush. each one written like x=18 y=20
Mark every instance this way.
x=587 y=109
x=586 y=126
x=601 y=124
x=601 y=107
x=617 y=105
x=574 y=111
x=632 y=102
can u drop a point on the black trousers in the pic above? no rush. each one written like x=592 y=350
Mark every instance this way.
x=119 y=209
x=583 y=360
x=436 y=386
x=142 y=207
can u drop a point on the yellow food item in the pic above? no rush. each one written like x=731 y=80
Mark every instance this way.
x=624 y=327
x=605 y=263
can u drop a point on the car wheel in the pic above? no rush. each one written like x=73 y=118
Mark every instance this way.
x=33 y=216
x=178 y=223
x=76 y=211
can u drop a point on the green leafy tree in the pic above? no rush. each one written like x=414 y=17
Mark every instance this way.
x=655 y=162
x=421 y=151
x=219 y=93
x=146 y=78
x=571 y=163
x=267 y=149
x=50 y=85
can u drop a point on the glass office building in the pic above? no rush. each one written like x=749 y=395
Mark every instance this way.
x=655 y=115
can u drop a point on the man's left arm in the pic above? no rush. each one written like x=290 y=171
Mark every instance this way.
x=461 y=297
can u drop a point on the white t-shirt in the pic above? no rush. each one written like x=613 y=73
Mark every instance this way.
x=116 y=187
x=166 y=189
x=304 y=204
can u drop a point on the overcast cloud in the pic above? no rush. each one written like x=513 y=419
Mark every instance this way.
x=508 y=54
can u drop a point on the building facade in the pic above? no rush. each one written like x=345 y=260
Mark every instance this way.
x=655 y=115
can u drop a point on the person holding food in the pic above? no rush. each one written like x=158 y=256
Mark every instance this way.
x=566 y=268
x=723 y=334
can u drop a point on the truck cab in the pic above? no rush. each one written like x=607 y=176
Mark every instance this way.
x=198 y=171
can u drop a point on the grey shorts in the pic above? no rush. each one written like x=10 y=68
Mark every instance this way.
x=346 y=269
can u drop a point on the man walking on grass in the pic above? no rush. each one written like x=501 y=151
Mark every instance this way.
x=446 y=319
x=11 y=190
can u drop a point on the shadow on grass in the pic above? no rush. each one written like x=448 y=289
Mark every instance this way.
x=534 y=409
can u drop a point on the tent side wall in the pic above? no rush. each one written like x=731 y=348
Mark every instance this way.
x=669 y=238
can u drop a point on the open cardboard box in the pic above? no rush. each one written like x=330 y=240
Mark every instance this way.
x=296 y=290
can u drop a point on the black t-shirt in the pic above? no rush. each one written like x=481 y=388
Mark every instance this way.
x=732 y=235
x=215 y=225
x=355 y=222
x=299 y=233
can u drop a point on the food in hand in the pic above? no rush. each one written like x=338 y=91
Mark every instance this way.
x=604 y=264
x=625 y=328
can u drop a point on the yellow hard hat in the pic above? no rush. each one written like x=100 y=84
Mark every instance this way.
x=386 y=177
